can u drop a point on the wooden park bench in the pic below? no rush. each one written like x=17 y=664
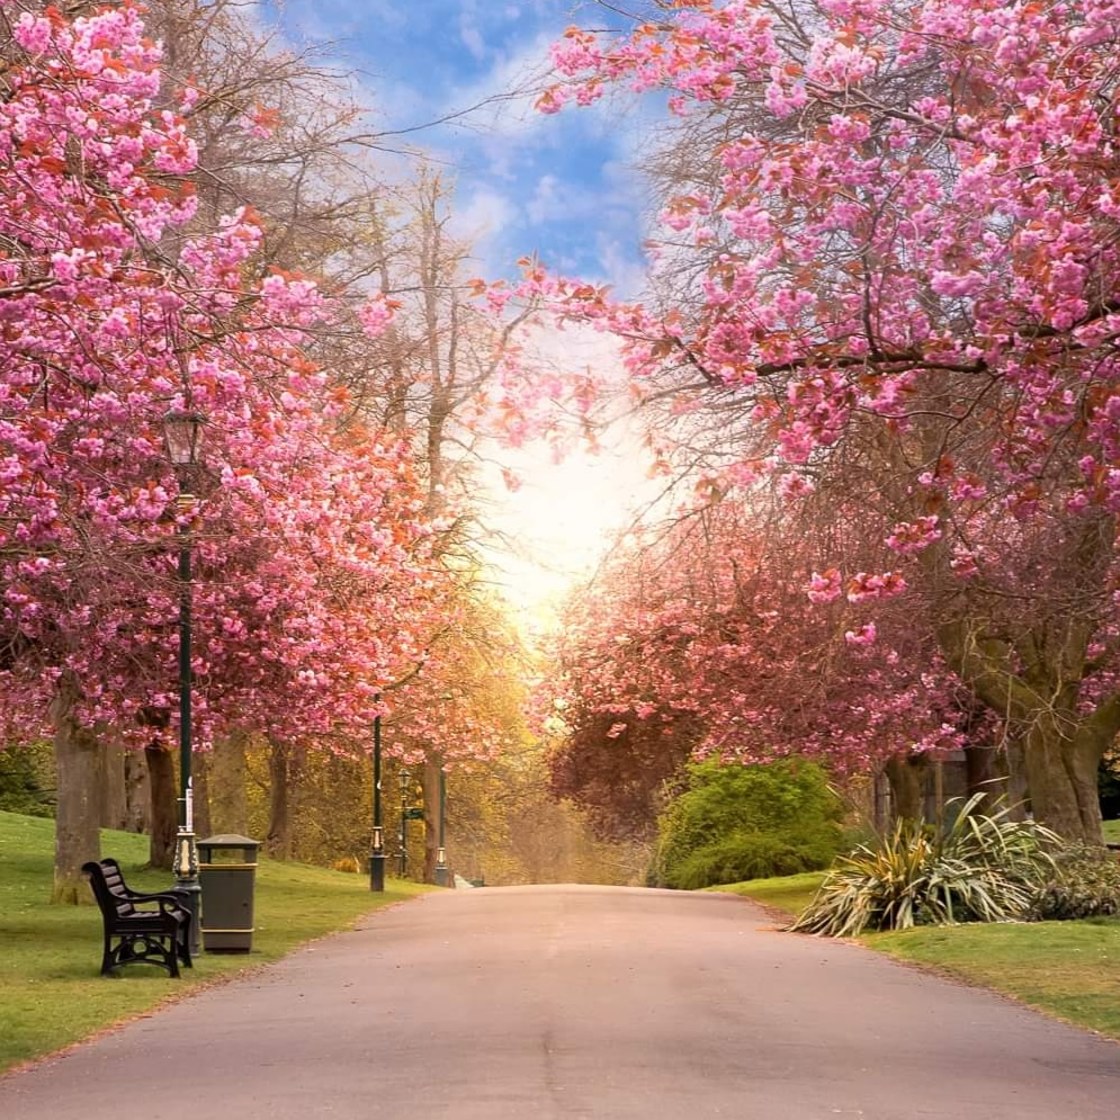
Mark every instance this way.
x=138 y=927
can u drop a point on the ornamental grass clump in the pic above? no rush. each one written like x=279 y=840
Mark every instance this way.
x=982 y=868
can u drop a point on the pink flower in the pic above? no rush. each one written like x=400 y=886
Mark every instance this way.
x=826 y=586
x=376 y=314
x=909 y=537
x=864 y=636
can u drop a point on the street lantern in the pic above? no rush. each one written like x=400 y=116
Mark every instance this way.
x=377 y=855
x=182 y=433
x=441 y=850
x=183 y=436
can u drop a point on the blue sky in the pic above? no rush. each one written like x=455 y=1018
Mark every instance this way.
x=562 y=186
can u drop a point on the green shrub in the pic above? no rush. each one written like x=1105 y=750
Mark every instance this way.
x=981 y=868
x=738 y=822
x=747 y=856
x=1085 y=883
x=26 y=778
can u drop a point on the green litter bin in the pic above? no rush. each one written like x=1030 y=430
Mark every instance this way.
x=227 y=874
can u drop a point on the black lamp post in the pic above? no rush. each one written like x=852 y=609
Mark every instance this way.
x=441 y=852
x=183 y=434
x=377 y=855
x=404 y=778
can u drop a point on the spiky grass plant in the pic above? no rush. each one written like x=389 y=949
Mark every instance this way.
x=982 y=868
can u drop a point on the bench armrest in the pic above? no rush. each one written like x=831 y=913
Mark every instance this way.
x=166 y=902
x=147 y=896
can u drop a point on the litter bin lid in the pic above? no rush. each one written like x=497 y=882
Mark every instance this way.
x=230 y=840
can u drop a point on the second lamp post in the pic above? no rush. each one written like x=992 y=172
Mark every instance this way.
x=183 y=434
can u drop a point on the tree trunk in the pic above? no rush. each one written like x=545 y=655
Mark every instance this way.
x=164 y=805
x=982 y=774
x=431 y=818
x=227 y=782
x=1062 y=776
x=137 y=791
x=114 y=798
x=1018 y=794
x=905 y=774
x=1062 y=747
x=200 y=779
x=284 y=766
x=76 y=835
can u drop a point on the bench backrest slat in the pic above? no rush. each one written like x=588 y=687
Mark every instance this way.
x=108 y=888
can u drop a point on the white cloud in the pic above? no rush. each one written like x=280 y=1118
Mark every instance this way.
x=483 y=214
x=472 y=38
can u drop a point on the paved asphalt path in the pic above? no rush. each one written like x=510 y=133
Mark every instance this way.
x=542 y=1003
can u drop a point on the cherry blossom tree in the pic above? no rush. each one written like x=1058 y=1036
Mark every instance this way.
x=893 y=244
x=702 y=643
x=306 y=540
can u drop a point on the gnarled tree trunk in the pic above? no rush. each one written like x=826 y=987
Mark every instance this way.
x=1062 y=746
x=982 y=774
x=1061 y=761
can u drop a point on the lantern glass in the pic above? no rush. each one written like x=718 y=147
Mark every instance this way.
x=183 y=434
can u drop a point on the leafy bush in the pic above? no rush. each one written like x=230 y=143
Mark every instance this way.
x=747 y=822
x=979 y=869
x=747 y=856
x=25 y=780
x=1085 y=883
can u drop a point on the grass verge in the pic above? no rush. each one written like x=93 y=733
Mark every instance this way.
x=1070 y=970
x=1067 y=969
x=789 y=893
x=50 y=992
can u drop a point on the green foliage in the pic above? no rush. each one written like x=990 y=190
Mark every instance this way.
x=27 y=780
x=744 y=856
x=747 y=822
x=980 y=869
x=1085 y=883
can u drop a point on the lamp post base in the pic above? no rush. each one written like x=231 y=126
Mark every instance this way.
x=185 y=869
x=441 y=868
x=377 y=871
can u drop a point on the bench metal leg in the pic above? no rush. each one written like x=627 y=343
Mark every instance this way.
x=141 y=948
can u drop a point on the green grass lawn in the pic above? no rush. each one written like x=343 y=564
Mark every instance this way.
x=1112 y=832
x=51 y=993
x=790 y=893
x=1067 y=969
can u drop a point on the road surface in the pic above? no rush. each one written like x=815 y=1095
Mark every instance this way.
x=548 y=1003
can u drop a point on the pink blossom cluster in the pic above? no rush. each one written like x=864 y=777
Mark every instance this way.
x=305 y=542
